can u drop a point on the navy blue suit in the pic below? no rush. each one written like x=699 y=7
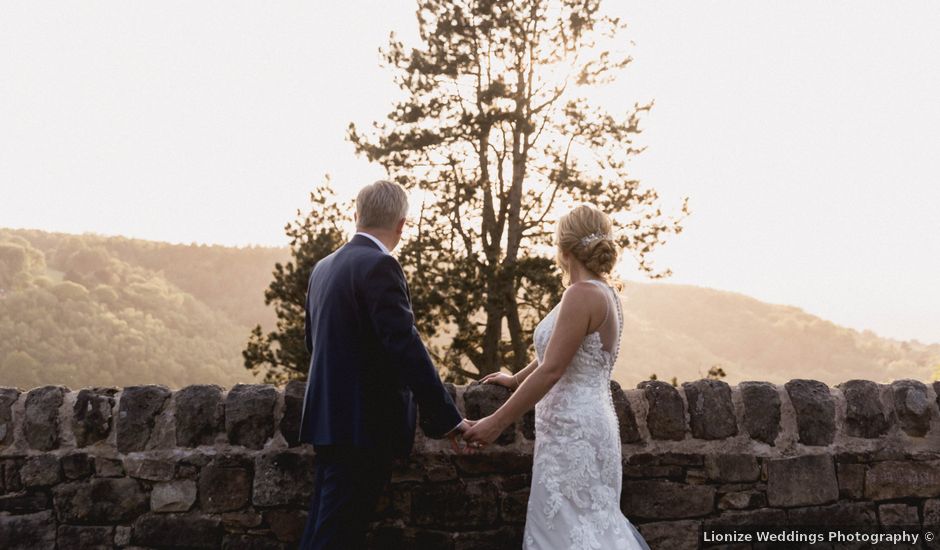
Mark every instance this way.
x=369 y=375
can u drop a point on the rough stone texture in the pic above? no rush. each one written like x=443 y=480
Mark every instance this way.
x=249 y=414
x=761 y=410
x=199 y=415
x=101 y=500
x=77 y=465
x=801 y=481
x=815 y=411
x=283 y=478
x=91 y=415
x=912 y=406
x=108 y=467
x=662 y=499
x=674 y=535
x=150 y=468
x=666 y=416
x=42 y=417
x=851 y=480
x=41 y=470
x=894 y=479
x=730 y=468
x=8 y=396
x=28 y=532
x=711 y=413
x=84 y=537
x=225 y=484
x=293 y=409
x=456 y=505
x=482 y=400
x=137 y=411
x=898 y=514
x=865 y=415
x=224 y=494
x=173 y=496
x=629 y=431
x=167 y=530
x=841 y=513
x=287 y=525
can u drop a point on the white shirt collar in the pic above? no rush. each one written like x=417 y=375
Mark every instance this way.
x=382 y=247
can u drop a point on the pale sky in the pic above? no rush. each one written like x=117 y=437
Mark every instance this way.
x=806 y=134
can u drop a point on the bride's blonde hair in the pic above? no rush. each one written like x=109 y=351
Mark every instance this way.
x=587 y=234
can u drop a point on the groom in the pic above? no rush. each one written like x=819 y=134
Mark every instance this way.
x=368 y=372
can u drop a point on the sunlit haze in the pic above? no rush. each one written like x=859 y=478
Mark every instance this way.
x=805 y=134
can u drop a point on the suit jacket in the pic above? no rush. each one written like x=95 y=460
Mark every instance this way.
x=369 y=369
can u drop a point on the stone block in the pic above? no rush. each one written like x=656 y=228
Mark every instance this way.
x=150 y=468
x=898 y=514
x=28 y=532
x=896 y=479
x=912 y=406
x=199 y=414
x=731 y=468
x=283 y=478
x=85 y=537
x=293 y=410
x=761 y=410
x=287 y=525
x=462 y=505
x=249 y=414
x=853 y=514
x=815 y=411
x=24 y=502
x=801 y=481
x=662 y=499
x=41 y=470
x=92 y=415
x=666 y=416
x=865 y=415
x=629 y=431
x=77 y=465
x=674 y=535
x=173 y=496
x=108 y=467
x=225 y=485
x=8 y=397
x=137 y=413
x=711 y=412
x=851 y=480
x=100 y=501
x=41 y=423
x=167 y=530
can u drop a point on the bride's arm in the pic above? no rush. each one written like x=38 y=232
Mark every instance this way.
x=510 y=381
x=571 y=326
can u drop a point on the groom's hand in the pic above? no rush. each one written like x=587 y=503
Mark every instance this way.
x=458 y=432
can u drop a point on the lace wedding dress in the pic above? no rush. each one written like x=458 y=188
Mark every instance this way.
x=574 y=502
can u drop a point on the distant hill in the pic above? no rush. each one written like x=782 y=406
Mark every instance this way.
x=85 y=310
x=682 y=331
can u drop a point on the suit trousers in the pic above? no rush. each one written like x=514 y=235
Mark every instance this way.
x=349 y=482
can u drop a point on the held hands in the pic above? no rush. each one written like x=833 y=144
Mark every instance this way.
x=483 y=432
x=458 y=433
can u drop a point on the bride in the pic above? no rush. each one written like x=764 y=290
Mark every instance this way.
x=574 y=502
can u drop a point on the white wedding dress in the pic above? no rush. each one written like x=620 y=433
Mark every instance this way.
x=574 y=502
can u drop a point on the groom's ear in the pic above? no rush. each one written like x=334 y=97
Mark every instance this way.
x=400 y=227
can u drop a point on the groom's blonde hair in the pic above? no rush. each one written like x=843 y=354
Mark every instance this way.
x=381 y=205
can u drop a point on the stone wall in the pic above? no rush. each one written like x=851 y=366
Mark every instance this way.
x=201 y=467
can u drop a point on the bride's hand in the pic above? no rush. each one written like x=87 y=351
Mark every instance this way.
x=500 y=378
x=483 y=432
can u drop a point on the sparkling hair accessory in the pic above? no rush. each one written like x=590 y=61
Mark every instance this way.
x=585 y=241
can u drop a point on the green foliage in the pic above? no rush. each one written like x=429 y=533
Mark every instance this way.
x=90 y=318
x=496 y=131
x=280 y=355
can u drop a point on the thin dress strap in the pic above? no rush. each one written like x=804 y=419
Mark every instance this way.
x=614 y=352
